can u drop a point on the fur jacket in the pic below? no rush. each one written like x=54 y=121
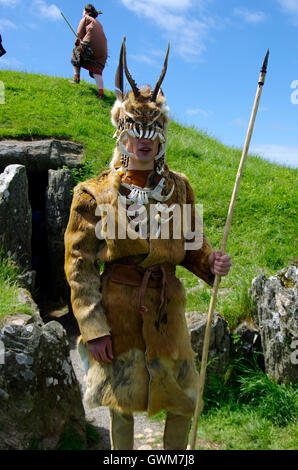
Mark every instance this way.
x=151 y=370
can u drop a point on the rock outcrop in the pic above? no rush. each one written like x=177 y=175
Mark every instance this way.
x=276 y=316
x=58 y=202
x=39 y=393
x=220 y=340
x=40 y=155
x=15 y=215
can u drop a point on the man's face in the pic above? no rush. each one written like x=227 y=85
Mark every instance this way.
x=144 y=150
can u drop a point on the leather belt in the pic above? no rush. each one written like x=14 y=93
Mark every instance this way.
x=137 y=276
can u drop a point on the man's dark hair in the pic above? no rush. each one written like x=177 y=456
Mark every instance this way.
x=91 y=10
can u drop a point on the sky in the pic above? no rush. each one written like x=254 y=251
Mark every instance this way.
x=217 y=49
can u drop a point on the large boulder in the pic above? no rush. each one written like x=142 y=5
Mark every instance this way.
x=39 y=393
x=275 y=303
x=220 y=341
x=40 y=155
x=58 y=202
x=15 y=215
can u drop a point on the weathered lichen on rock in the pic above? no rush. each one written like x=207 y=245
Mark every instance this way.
x=39 y=393
x=15 y=226
x=276 y=316
x=286 y=281
x=220 y=340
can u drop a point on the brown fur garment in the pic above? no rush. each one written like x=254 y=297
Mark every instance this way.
x=152 y=369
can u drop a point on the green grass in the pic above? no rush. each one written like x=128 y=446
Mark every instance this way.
x=263 y=233
x=243 y=428
x=38 y=106
x=71 y=440
x=9 y=288
x=245 y=410
x=251 y=413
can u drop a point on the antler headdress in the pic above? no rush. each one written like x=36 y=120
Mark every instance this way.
x=141 y=112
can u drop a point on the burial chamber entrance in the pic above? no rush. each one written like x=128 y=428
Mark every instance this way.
x=36 y=179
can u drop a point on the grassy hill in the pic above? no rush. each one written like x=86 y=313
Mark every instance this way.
x=245 y=410
x=264 y=224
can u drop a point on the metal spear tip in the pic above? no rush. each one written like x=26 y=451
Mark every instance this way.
x=265 y=63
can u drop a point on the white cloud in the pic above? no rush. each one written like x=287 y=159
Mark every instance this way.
x=239 y=122
x=51 y=12
x=250 y=16
x=10 y=63
x=290 y=7
x=145 y=59
x=176 y=5
x=186 y=33
x=9 y=3
x=193 y=112
x=263 y=109
x=7 y=24
x=281 y=154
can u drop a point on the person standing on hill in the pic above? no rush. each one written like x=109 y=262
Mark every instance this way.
x=2 y=50
x=90 y=50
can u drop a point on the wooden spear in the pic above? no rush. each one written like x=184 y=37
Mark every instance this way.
x=199 y=405
x=70 y=25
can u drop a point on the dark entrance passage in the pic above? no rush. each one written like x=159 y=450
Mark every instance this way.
x=46 y=193
x=37 y=183
x=50 y=294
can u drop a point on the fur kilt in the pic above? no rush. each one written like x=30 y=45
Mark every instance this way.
x=152 y=369
x=83 y=57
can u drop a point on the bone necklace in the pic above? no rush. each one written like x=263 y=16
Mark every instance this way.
x=141 y=196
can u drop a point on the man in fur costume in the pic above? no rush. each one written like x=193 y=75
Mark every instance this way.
x=134 y=340
x=91 y=48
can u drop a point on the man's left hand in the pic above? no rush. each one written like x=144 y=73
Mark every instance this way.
x=219 y=264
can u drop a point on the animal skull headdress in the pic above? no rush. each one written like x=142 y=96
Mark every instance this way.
x=141 y=112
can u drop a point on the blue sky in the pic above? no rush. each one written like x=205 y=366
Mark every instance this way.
x=217 y=48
